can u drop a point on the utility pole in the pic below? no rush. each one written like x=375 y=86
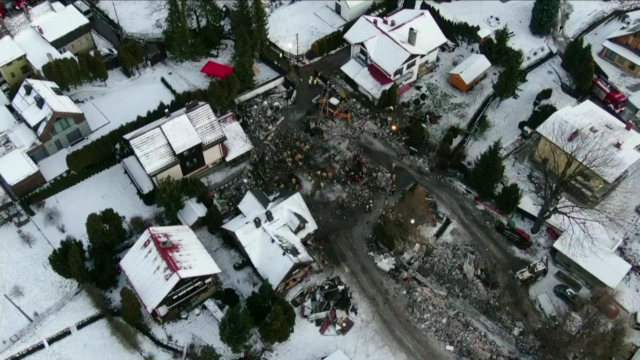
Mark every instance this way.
x=296 y=46
x=116 y=11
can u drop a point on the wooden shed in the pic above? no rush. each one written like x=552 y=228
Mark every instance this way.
x=469 y=72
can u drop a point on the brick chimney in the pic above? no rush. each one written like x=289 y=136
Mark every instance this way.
x=413 y=36
x=40 y=30
x=619 y=145
x=628 y=126
x=385 y=21
x=393 y=23
x=375 y=22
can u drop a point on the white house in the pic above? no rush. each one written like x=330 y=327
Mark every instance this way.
x=271 y=232
x=352 y=9
x=337 y=355
x=394 y=49
x=170 y=270
x=184 y=143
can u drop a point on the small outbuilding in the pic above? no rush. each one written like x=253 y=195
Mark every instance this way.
x=469 y=72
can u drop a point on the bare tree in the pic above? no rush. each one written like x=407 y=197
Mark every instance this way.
x=16 y=291
x=51 y=216
x=27 y=238
x=572 y=157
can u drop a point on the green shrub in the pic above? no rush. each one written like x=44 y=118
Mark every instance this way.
x=228 y=297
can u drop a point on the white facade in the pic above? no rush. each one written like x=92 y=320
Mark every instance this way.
x=350 y=9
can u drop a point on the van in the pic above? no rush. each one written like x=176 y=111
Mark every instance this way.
x=547 y=306
x=84 y=9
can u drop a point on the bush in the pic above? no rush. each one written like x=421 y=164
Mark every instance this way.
x=59 y=258
x=278 y=325
x=138 y=224
x=130 y=309
x=169 y=197
x=235 y=329
x=213 y=219
x=540 y=115
x=508 y=198
x=542 y=95
x=168 y=86
x=328 y=43
x=259 y=303
x=228 y=297
x=483 y=125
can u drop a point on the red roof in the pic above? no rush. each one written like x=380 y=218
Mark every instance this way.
x=218 y=70
x=377 y=74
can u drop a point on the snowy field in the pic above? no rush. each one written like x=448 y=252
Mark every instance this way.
x=493 y=15
x=137 y=17
x=581 y=13
x=309 y=20
x=436 y=92
x=505 y=117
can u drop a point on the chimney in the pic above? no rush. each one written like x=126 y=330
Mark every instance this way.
x=385 y=21
x=393 y=23
x=257 y=222
x=40 y=30
x=50 y=57
x=166 y=113
x=573 y=135
x=413 y=36
x=375 y=22
x=628 y=126
x=619 y=145
x=269 y=216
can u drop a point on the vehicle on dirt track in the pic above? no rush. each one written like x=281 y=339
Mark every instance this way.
x=517 y=236
x=535 y=271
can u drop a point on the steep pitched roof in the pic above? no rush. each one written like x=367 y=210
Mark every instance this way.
x=25 y=102
x=472 y=67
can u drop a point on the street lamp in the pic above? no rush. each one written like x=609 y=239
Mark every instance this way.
x=413 y=221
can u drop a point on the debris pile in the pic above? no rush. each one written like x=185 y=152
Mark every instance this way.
x=329 y=305
x=262 y=115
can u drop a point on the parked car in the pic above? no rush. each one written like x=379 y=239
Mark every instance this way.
x=569 y=296
x=546 y=306
x=84 y=9
x=607 y=306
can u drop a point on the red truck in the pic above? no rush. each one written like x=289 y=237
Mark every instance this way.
x=610 y=95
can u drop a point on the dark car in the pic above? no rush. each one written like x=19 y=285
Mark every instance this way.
x=569 y=296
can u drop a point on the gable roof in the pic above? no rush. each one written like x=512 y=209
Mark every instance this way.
x=37 y=49
x=622 y=32
x=272 y=246
x=26 y=104
x=154 y=270
x=56 y=26
x=9 y=50
x=237 y=143
x=388 y=45
x=157 y=144
x=472 y=67
x=337 y=355
x=581 y=119
x=622 y=51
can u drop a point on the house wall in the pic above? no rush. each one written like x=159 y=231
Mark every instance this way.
x=50 y=144
x=213 y=155
x=578 y=271
x=620 y=62
x=174 y=172
x=81 y=44
x=48 y=135
x=348 y=13
x=15 y=68
x=457 y=81
x=29 y=184
x=548 y=150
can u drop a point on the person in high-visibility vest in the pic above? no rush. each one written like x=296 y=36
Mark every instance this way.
x=310 y=80
x=280 y=55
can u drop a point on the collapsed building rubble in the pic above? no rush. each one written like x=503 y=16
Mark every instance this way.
x=328 y=305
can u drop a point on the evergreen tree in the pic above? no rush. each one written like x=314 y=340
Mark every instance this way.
x=83 y=65
x=169 y=196
x=105 y=232
x=235 y=329
x=260 y=29
x=416 y=133
x=177 y=33
x=213 y=30
x=544 y=17
x=278 y=325
x=259 y=304
x=73 y=71
x=243 y=68
x=127 y=61
x=213 y=219
x=508 y=81
x=487 y=172
x=59 y=258
x=409 y=4
x=241 y=20
x=76 y=259
x=130 y=309
x=100 y=70
x=578 y=62
x=508 y=198
x=206 y=353
x=105 y=271
x=62 y=74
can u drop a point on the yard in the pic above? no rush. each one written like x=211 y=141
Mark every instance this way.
x=142 y=18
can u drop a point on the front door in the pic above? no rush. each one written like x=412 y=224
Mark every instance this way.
x=338 y=9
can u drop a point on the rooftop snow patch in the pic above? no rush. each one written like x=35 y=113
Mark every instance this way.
x=338 y=354
x=191 y=212
x=622 y=51
x=387 y=39
x=157 y=144
x=374 y=82
x=62 y=23
x=593 y=248
x=237 y=143
x=160 y=258
x=37 y=49
x=136 y=171
x=9 y=50
x=15 y=164
x=25 y=102
x=471 y=68
x=602 y=131
x=271 y=236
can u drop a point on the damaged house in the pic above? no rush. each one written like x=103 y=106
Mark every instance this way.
x=271 y=231
x=185 y=143
x=170 y=271
x=392 y=50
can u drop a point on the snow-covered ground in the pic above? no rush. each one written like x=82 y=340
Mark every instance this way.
x=137 y=17
x=505 y=117
x=581 y=13
x=302 y=23
x=437 y=94
x=493 y=15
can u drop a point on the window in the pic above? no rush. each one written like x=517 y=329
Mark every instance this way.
x=61 y=51
x=191 y=163
x=611 y=55
x=630 y=41
x=397 y=73
x=363 y=52
x=621 y=60
x=189 y=152
x=411 y=64
x=25 y=69
x=62 y=124
x=631 y=66
x=13 y=75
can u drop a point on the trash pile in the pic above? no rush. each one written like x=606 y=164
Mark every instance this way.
x=262 y=115
x=329 y=305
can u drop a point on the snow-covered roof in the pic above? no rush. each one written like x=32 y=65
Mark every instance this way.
x=37 y=49
x=9 y=50
x=273 y=246
x=237 y=143
x=160 y=258
x=622 y=51
x=157 y=144
x=353 y=3
x=471 y=68
x=54 y=101
x=62 y=23
x=586 y=118
x=622 y=32
x=594 y=251
x=4 y=100
x=528 y=205
x=15 y=164
x=363 y=77
x=180 y=134
x=191 y=212
x=484 y=32
x=388 y=45
x=337 y=355
x=7 y=120
x=140 y=178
